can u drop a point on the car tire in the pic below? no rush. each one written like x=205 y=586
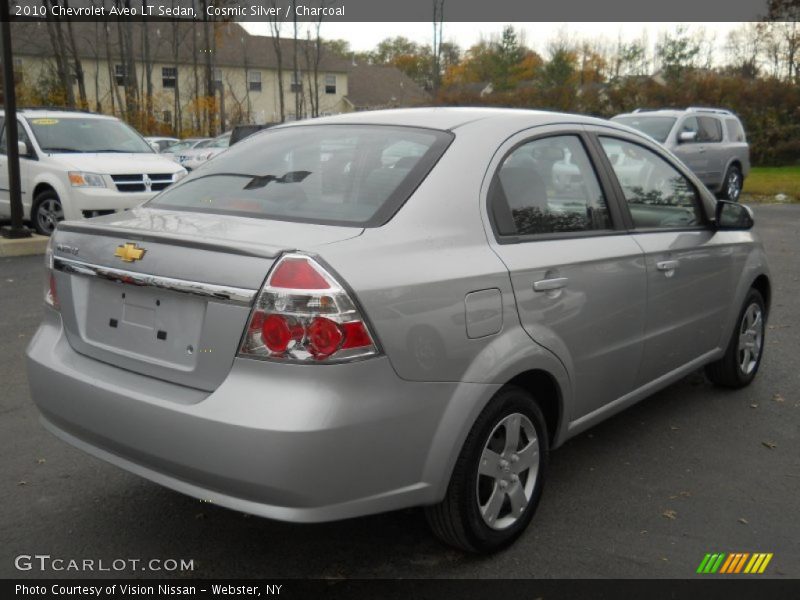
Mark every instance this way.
x=46 y=212
x=732 y=184
x=739 y=366
x=496 y=485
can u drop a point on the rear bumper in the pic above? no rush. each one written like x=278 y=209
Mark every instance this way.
x=288 y=442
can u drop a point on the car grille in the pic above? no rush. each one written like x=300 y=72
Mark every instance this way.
x=138 y=182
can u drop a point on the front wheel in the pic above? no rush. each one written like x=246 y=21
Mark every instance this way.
x=498 y=477
x=47 y=212
x=738 y=367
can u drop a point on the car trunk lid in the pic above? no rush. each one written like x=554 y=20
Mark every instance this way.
x=167 y=294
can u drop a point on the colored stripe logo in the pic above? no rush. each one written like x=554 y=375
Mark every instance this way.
x=734 y=563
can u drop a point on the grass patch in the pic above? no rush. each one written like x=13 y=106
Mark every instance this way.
x=764 y=183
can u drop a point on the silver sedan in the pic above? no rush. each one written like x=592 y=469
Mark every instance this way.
x=404 y=308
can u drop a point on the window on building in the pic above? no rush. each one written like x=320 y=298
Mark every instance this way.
x=297 y=82
x=167 y=117
x=169 y=76
x=254 y=81
x=330 y=84
x=119 y=74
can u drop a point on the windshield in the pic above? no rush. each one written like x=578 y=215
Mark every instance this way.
x=75 y=134
x=356 y=175
x=657 y=128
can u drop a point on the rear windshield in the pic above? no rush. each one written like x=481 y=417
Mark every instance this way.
x=356 y=175
x=657 y=128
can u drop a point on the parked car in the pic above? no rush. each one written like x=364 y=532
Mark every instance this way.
x=176 y=151
x=76 y=165
x=710 y=141
x=191 y=159
x=159 y=144
x=390 y=309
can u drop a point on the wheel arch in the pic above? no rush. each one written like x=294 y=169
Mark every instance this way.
x=764 y=287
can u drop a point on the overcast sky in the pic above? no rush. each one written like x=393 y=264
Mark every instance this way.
x=365 y=36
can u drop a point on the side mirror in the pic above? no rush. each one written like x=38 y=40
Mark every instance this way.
x=732 y=215
x=686 y=137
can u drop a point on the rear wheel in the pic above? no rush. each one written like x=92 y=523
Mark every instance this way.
x=46 y=212
x=739 y=366
x=732 y=186
x=498 y=477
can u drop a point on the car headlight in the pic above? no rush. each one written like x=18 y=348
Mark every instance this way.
x=80 y=179
x=176 y=177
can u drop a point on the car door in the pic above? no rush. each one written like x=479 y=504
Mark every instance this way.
x=715 y=152
x=689 y=266
x=693 y=153
x=579 y=280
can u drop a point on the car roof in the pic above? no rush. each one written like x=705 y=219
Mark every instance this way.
x=450 y=118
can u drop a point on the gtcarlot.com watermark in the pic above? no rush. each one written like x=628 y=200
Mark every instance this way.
x=46 y=562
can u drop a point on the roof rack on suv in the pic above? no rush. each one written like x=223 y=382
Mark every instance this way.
x=718 y=111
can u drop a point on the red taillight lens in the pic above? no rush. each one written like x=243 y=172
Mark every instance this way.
x=275 y=333
x=278 y=331
x=303 y=314
x=297 y=274
x=324 y=337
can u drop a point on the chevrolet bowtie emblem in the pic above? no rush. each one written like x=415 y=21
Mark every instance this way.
x=129 y=252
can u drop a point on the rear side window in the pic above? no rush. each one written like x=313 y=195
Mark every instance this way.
x=710 y=129
x=548 y=186
x=735 y=131
x=657 y=194
x=356 y=175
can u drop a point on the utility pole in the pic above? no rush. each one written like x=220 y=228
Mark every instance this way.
x=17 y=230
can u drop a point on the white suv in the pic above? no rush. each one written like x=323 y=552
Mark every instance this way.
x=77 y=165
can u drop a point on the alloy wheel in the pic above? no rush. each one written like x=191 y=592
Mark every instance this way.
x=507 y=473
x=734 y=185
x=48 y=214
x=751 y=338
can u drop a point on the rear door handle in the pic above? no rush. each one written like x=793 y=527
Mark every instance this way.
x=546 y=285
x=667 y=265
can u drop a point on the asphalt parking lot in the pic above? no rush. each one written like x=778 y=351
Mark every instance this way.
x=691 y=470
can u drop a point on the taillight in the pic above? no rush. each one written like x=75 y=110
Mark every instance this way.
x=303 y=314
x=50 y=291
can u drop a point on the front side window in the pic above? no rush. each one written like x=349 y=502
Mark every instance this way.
x=548 y=186
x=356 y=175
x=657 y=194
x=77 y=134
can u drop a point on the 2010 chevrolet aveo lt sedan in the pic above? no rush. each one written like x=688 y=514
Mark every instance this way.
x=391 y=309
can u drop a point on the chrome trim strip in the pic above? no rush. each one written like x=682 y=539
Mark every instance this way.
x=231 y=295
